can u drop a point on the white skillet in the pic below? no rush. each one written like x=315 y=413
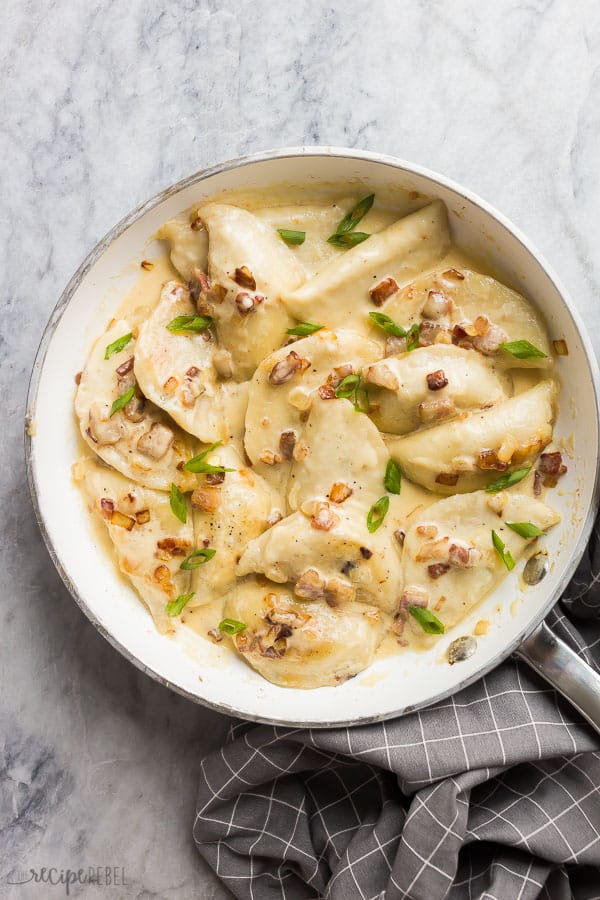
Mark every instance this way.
x=209 y=674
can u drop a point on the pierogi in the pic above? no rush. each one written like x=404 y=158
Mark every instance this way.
x=325 y=435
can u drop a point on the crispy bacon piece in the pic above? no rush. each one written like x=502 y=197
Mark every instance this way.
x=488 y=459
x=447 y=478
x=339 y=492
x=384 y=289
x=436 y=380
x=552 y=464
x=244 y=277
x=436 y=570
x=286 y=368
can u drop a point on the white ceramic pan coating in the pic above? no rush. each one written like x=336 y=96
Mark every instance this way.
x=210 y=674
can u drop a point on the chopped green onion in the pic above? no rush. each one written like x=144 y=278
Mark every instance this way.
x=361 y=397
x=197 y=558
x=377 y=514
x=122 y=401
x=291 y=237
x=178 y=504
x=387 y=324
x=426 y=619
x=526 y=530
x=351 y=220
x=508 y=479
x=189 y=324
x=392 y=480
x=504 y=554
x=232 y=626
x=304 y=329
x=117 y=345
x=523 y=350
x=198 y=465
x=347 y=386
x=350 y=239
x=412 y=337
x=175 y=607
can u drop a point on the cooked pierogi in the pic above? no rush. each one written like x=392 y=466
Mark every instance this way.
x=139 y=440
x=276 y=427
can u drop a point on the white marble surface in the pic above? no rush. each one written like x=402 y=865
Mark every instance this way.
x=104 y=103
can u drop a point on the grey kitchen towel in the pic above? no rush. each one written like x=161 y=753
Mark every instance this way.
x=493 y=793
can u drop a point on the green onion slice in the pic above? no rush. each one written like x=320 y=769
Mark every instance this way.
x=412 y=337
x=197 y=558
x=232 y=626
x=351 y=219
x=175 y=608
x=392 y=480
x=347 y=386
x=304 y=329
x=178 y=504
x=387 y=324
x=117 y=345
x=523 y=350
x=199 y=466
x=377 y=514
x=189 y=324
x=292 y=237
x=122 y=401
x=502 y=551
x=426 y=619
x=526 y=529
x=350 y=239
x=508 y=479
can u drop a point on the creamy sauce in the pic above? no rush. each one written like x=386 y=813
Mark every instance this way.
x=317 y=214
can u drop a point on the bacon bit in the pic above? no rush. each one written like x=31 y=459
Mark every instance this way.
x=433 y=550
x=217 y=293
x=537 y=484
x=162 y=574
x=142 y=517
x=481 y=325
x=273 y=653
x=275 y=517
x=440 y=603
x=436 y=305
x=107 y=506
x=433 y=410
x=438 y=569
x=432 y=333
x=482 y=627
x=286 y=368
x=462 y=556
x=192 y=371
x=122 y=521
x=488 y=459
x=460 y=336
x=170 y=385
x=215 y=478
x=147 y=265
x=552 y=464
x=366 y=553
x=339 y=492
x=269 y=458
x=310 y=586
x=134 y=410
x=382 y=376
x=301 y=450
x=413 y=596
x=426 y=531
x=169 y=547
x=397 y=625
x=244 y=277
x=400 y=536
x=125 y=367
x=453 y=275
x=156 y=442
x=215 y=635
x=335 y=378
x=560 y=347
x=324 y=519
x=447 y=478
x=196 y=224
x=489 y=342
x=326 y=392
x=394 y=345
x=247 y=303
x=380 y=293
x=78 y=377
x=287 y=443
x=207 y=499
x=436 y=380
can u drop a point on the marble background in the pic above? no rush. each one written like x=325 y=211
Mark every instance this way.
x=102 y=104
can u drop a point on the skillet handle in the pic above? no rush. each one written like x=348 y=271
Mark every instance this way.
x=565 y=670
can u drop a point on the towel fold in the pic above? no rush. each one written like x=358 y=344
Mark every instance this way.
x=493 y=793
